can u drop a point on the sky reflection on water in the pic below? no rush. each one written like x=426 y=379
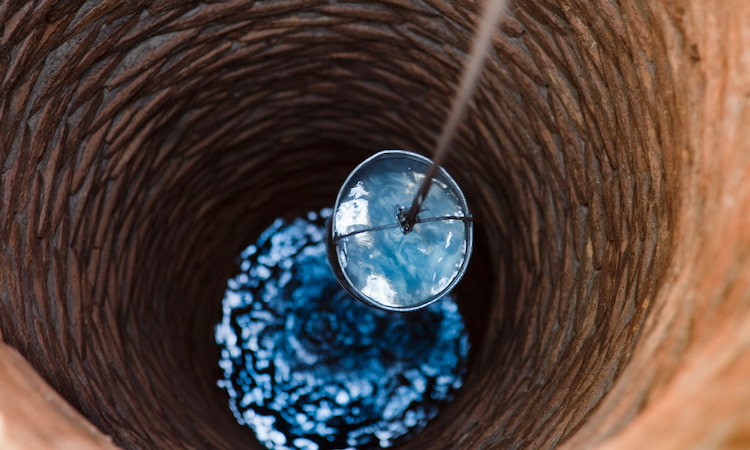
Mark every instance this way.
x=307 y=366
x=383 y=265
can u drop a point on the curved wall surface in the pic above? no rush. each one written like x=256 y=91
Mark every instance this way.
x=606 y=159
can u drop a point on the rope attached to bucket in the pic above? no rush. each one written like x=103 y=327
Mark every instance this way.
x=493 y=10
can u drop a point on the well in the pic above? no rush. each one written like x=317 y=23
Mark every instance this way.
x=144 y=143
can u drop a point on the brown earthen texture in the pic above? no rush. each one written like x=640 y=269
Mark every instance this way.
x=33 y=415
x=606 y=159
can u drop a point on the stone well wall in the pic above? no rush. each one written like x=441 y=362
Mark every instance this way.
x=606 y=158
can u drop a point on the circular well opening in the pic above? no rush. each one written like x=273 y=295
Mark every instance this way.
x=149 y=144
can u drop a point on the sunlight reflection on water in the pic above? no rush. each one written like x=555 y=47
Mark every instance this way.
x=307 y=366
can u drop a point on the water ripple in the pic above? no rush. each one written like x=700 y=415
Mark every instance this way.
x=307 y=366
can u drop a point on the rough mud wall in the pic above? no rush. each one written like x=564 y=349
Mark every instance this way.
x=143 y=144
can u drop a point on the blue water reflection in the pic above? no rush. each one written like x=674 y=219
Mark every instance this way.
x=307 y=366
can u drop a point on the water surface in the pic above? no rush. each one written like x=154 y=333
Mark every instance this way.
x=307 y=366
